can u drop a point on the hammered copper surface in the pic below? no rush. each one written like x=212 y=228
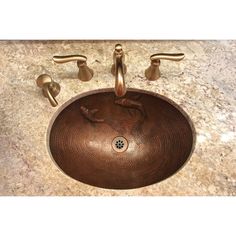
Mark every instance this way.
x=159 y=142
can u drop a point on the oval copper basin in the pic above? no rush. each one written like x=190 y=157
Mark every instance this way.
x=108 y=142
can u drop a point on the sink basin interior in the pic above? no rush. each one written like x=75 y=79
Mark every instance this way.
x=120 y=143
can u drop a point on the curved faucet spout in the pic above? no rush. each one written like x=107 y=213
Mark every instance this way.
x=120 y=88
x=118 y=70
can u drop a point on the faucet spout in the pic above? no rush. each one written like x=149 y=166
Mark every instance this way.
x=118 y=70
x=120 y=88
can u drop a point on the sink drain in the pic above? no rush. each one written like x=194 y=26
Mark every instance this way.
x=119 y=144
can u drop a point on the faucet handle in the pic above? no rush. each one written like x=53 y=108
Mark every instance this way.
x=167 y=56
x=153 y=71
x=49 y=88
x=85 y=73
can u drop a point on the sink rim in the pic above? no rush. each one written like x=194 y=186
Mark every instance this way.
x=102 y=90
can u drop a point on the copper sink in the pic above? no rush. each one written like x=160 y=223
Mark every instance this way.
x=120 y=143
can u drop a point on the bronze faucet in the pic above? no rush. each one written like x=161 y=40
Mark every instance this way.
x=153 y=71
x=119 y=69
x=49 y=87
x=85 y=73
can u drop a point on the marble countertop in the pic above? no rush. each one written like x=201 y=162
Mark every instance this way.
x=203 y=84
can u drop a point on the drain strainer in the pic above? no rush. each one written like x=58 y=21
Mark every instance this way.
x=119 y=144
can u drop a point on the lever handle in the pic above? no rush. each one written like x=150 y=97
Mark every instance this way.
x=153 y=71
x=85 y=73
x=69 y=58
x=50 y=88
x=167 y=56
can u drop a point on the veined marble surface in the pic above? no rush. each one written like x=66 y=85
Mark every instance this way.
x=203 y=84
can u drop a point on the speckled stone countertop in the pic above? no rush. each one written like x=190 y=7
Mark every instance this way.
x=203 y=84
